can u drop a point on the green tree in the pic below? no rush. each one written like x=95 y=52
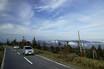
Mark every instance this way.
x=67 y=49
x=59 y=43
x=20 y=44
x=1 y=44
x=28 y=43
x=38 y=45
x=23 y=42
x=94 y=52
x=44 y=47
x=8 y=42
x=100 y=52
x=88 y=53
x=34 y=43
x=57 y=49
x=14 y=42
x=52 y=49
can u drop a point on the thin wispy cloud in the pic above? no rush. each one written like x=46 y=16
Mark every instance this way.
x=51 y=5
x=52 y=19
x=25 y=11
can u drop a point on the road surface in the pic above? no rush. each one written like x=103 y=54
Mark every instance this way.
x=15 y=60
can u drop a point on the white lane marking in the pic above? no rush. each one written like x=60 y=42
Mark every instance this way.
x=18 y=53
x=28 y=60
x=2 y=65
x=53 y=61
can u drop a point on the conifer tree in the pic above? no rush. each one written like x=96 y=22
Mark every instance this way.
x=44 y=47
x=38 y=45
x=100 y=52
x=34 y=43
x=94 y=52
x=8 y=42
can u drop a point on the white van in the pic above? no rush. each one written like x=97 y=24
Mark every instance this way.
x=28 y=50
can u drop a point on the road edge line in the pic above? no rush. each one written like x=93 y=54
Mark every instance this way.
x=28 y=60
x=2 y=65
x=53 y=61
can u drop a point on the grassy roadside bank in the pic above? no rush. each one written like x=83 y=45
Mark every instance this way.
x=79 y=62
x=1 y=54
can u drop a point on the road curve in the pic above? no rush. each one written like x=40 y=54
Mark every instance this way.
x=15 y=60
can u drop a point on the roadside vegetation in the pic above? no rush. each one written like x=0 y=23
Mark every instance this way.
x=73 y=60
x=82 y=58
x=1 y=53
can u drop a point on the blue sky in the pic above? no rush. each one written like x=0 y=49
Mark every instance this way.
x=52 y=19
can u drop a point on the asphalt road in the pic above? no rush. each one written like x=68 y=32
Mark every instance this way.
x=15 y=60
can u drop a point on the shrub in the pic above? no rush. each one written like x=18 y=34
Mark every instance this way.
x=37 y=51
x=1 y=48
x=71 y=57
x=96 y=64
x=1 y=54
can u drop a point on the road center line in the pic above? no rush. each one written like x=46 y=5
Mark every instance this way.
x=28 y=60
x=53 y=61
x=18 y=53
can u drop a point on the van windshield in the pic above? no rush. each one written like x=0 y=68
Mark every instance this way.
x=28 y=48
